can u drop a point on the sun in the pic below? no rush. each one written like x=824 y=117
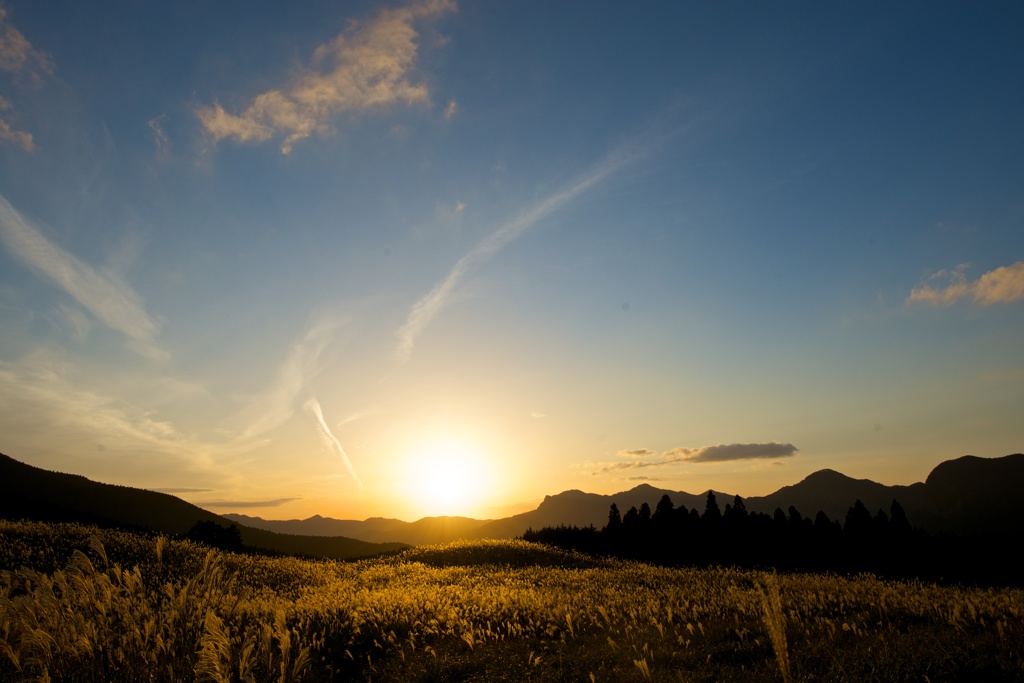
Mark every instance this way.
x=449 y=478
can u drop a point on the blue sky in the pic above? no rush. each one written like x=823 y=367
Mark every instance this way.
x=447 y=258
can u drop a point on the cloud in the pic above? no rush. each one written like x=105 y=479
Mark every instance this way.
x=278 y=403
x=633 y=465
x=272 y=503
x=163 y=144
x=16 y=137
x=735 y=451
x=367 y=66
x=637 y=453
x=427 y=308
x=101 y=292
x=719 y=453
x=450 y=110
x=331 y=441
x=75 y=321
x=178 y=489
x=42 y=408
x=538 y=416
x=17 y=56
x=946 y=287
x=644 y=479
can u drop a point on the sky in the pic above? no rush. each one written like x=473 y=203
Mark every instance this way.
x=439 y=257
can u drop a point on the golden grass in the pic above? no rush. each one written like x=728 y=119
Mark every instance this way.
x=502 y=611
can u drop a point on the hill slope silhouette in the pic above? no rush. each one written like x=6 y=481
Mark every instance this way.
x=28 y=492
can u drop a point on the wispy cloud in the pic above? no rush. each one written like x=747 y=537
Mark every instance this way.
x=101 y=292
x=734 y=451
x=180 y=489
x=278 y=403
x=16 y=137
x=160 y=139
x=17 y=56
x=41 y=407
x=427 y=308
x=330 y=441
x=946 y=287
x=637 y=453
x=367 y=66
x=272 y=503
x=702 y=454
x=451 y=110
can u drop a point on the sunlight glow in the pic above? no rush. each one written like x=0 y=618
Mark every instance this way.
x=449 y=478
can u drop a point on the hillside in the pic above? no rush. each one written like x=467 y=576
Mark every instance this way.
x=968 y=496
x=28 y=492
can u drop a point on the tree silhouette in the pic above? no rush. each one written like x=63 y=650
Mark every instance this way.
x=645 y=514
x=614 y=520
x=210 y=533
x=663 y=511
x=711 y=512
x=858 y=520
x=898 y=519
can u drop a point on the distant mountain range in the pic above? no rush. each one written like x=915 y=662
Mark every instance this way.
x=28 y=492
x=967 y=496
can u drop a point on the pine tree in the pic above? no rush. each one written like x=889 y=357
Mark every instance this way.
x=711 y=511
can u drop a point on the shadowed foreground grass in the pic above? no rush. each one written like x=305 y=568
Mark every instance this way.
x=81 y=604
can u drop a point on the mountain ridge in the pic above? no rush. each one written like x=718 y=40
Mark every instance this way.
x=28 y=492
x=966 y=495
x=826 y=490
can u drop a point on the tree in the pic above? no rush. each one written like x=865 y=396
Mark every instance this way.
x=631 y=520
x=898 y=519
x=738 y=510
x=711 y=511
x=858 y=520
x=614 y=519
x=663 y=510
x=645 y=513
x=210 y=533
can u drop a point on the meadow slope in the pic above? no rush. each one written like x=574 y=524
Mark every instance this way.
x=82 y=604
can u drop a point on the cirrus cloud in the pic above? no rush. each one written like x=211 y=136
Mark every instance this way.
x=19 y=58
x=719 y=453
x=636 y=452
x=101 y=292
x=367 y=66
x=946 y=287
x=734 y=451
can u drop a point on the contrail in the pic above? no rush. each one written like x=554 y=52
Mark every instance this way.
x=427 y=308
x=332 y=443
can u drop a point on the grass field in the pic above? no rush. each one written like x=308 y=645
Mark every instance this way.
x=81 y=604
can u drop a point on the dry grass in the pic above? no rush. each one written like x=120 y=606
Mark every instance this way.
x=496 y=611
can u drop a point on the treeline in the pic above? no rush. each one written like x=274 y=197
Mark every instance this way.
x=884 y=543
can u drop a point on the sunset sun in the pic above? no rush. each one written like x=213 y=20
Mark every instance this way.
x=449 y=477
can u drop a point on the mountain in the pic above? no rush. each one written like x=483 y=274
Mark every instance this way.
x=28 y=492
x=968 y=496
x=835 y=493
x=971 y=492
x=426 y=531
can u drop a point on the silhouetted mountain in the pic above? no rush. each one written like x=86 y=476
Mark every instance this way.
x=426 y=531
x=977 y=496
x=834 y=493
x=28 y=492
x=968 y=496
